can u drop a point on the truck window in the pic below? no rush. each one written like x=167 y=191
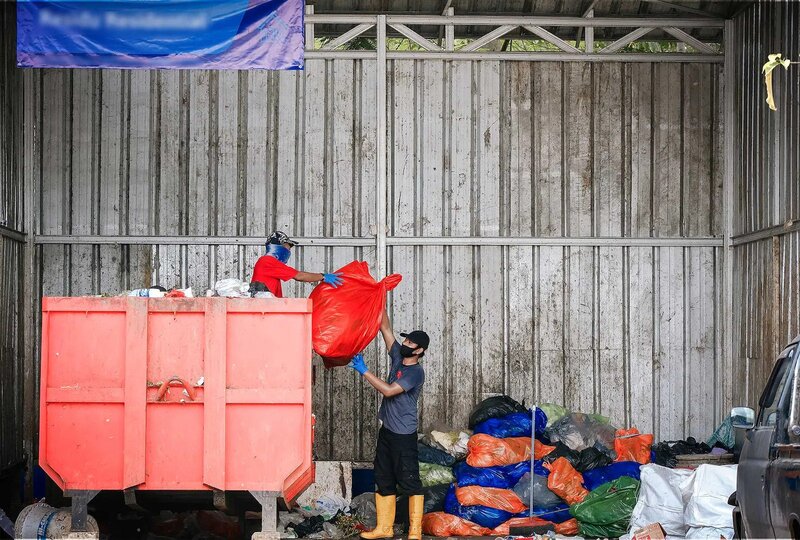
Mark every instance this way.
x=775 y=389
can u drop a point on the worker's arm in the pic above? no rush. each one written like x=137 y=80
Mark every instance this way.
x=388 y=390
x=308 y=277
x=387 y=331
x=312 y=277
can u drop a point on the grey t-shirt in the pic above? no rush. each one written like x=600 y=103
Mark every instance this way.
x=399 y=413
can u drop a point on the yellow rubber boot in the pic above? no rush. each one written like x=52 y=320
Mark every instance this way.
x=385 y=507
x=416 y=507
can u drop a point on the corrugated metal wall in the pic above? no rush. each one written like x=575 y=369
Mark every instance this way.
x=11 y=249
x=476 y=149
x=767 y=184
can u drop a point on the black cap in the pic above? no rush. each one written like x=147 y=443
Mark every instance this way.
x=419 y=337
x=279 y=237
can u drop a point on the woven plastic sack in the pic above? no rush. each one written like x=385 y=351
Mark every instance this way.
x=630 y=445
x=496 y=477
x=606 y=511
x=565 y=481
x=433 y=475
x=441 y=524
x=501 y=499
x=487 y=451
x=595 y=478
x=494 y=407
x=505 y=528
x=345 y=320
x=482 y=515
x=542 y=496
x=661 y=499
x=513 y=425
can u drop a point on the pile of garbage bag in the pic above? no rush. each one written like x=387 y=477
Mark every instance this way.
x=580 y=475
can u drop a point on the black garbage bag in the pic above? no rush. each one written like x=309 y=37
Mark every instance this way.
x=434 y=502
x=562 y=450
x=428 y=454
x=592 y=458
x=312 y=525
x=494 y=407
x=689 y=446
x=664 y=455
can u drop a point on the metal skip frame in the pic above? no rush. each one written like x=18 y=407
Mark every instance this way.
x=497 y=26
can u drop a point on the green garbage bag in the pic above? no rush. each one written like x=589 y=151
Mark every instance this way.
x=434 y=475
x=553 y=412
x=606 y=511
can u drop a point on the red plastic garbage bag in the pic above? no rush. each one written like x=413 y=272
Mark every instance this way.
x=345 y=319
x=630 y=445
x=568 y=528
x=499 y=499
x=505 y=528
x=441 y=524
x=487 y=451
x=540 y=449
x=565 y=481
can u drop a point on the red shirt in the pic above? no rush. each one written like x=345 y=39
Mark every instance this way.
x=270 y=271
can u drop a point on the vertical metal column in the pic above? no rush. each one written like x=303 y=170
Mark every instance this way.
x=381 y=193
x=728 y=74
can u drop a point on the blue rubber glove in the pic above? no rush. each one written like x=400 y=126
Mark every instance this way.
x=333 y=279
x=357 y=363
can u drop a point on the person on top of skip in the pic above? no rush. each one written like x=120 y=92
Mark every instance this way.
x=396 y=459
x=271 y=269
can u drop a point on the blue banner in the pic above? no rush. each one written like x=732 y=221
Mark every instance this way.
x=173 y=34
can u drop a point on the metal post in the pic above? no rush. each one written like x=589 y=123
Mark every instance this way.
x=309 y=29
x=381 y=179
x=269 y=515
x=728 y=208
x=590 y=33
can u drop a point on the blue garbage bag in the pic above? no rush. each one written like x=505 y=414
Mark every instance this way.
x=482 y=515
x=504 y=477
x=517 y=424
x=428 y=454
x=556 y=514
x=594 y=478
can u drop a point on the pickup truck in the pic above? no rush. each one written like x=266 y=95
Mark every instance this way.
x=767 y=498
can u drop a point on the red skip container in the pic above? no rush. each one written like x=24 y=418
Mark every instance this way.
x=177 y=394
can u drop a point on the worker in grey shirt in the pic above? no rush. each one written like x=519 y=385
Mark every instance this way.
x=396 y=461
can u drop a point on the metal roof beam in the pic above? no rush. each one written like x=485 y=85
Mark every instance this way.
x=623 y=42
x=504 y=20
x=416 y=38
x=488 y=38
x=347 y=36
x=689 y=40
x=552 y=38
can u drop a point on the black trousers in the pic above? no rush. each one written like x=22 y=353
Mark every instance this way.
x=396 y=464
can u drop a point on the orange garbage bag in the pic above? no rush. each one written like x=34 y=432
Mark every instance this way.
x=345 y=320
x=487 y=451
x=501 y=499
x=441 y=524
x=505 y=528
x=565 y=481
x=630 y=445
x=540 y=449
x=568 y=528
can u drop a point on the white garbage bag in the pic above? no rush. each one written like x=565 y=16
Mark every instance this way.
x=661 y=499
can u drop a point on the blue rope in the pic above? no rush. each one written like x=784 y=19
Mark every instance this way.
x=41 y=533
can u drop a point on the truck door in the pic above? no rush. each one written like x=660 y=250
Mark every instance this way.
x=783 y=475
x=754 y=461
